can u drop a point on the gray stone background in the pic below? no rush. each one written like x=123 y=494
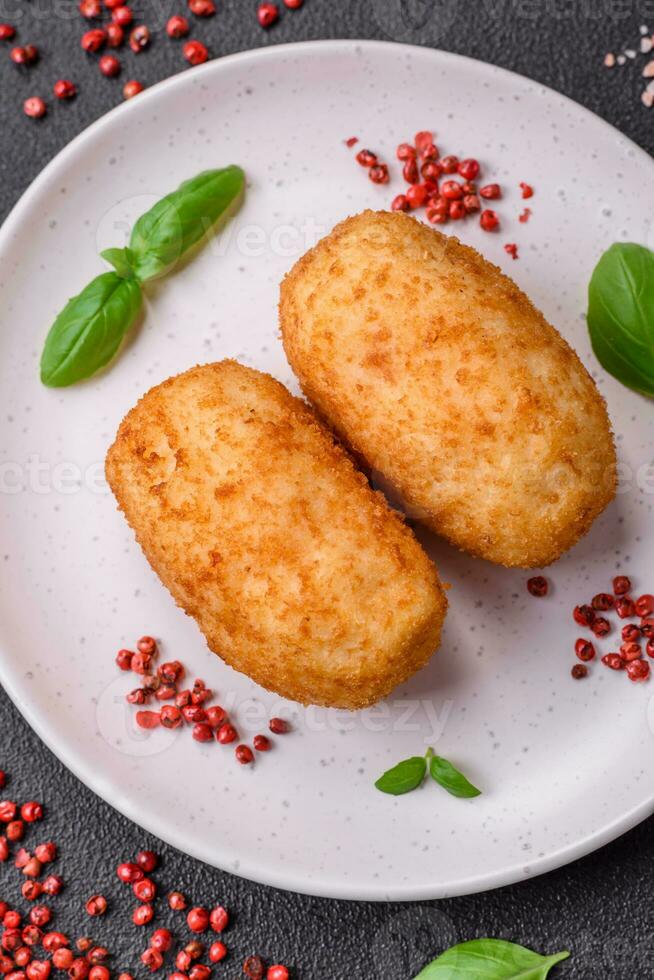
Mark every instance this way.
x=599 y=907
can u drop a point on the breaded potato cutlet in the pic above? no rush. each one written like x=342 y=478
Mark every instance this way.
x=258 y=523
x=438 y=371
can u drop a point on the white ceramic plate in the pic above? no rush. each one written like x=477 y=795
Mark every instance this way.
x=565 y=766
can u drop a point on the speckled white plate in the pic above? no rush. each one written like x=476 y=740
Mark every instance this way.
x=565 y=766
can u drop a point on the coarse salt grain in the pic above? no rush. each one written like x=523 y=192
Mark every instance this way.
x=630 y=53
x=646 y=45
x=647 y=98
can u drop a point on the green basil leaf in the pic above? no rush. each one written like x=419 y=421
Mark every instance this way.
x=621 y=314
x=403 y=777
x=122 y=260
x=162 y=235
x=490 y=959
x=451 y=779
x=89 y=330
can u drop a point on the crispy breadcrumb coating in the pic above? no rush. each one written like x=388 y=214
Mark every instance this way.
x=297 y=573
x=438 y=371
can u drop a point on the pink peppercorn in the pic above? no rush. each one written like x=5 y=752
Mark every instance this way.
x=115 y=37
x=638 y=670
x=153 y=959
x=147 y=861
x=198 y=919
x=226 y=734
x=145 y=890
x=34 y=107
x=625 y=607
x=161 y=939
x=123 y=657
x=219 y=918
x=139 y=39
x=267 y=14
x=202 y=8
x=262 y=743
x=277 y=973
x=199 y=972
x=142 y=915
x=148 y=719
x=63 y=89
x=195 y=52
x=122 y=16
x=278 y=726
x=93 y=40
x=469 y=169
x=96 y=905
x=177 y=27
x=489 y=220
x=244 y=754
x=7 y=31
x=202 y=732
x=183 y=961
x=53 y=884
x=621 y=585
x=176 y=901
x=217 y=952
x=129 y=872
x=78 y=970
x=98 y=972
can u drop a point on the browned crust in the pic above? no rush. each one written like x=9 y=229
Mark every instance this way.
x=439 y=372
x=298 y=574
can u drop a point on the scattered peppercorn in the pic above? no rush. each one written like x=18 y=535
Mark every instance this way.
x=122 y=16
x=63 y=89
x=217 y=952
x=139 y=39
x=267 y=14
x=195 y=52
x=202 y=8
x=93 y=40
x=142 y=914
x=96 y=905
x=253 y=968
x=145 y=890
x=176 y=901
x=177 y=27
x=115 y=35
x=34 y=107
x=197 y=919
x=489 y=220
x=538 y=586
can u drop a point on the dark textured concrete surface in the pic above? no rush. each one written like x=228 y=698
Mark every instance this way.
x=598 y=908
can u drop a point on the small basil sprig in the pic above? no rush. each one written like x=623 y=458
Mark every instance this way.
x=181 y=219
x=410 y=773
x=89 y=330
x=621 y=314
x=490 y=959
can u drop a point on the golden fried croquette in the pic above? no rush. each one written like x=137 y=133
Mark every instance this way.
x=297 y=573
x=438 y=371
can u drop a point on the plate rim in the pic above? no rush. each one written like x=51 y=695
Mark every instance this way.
x=283 y=879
